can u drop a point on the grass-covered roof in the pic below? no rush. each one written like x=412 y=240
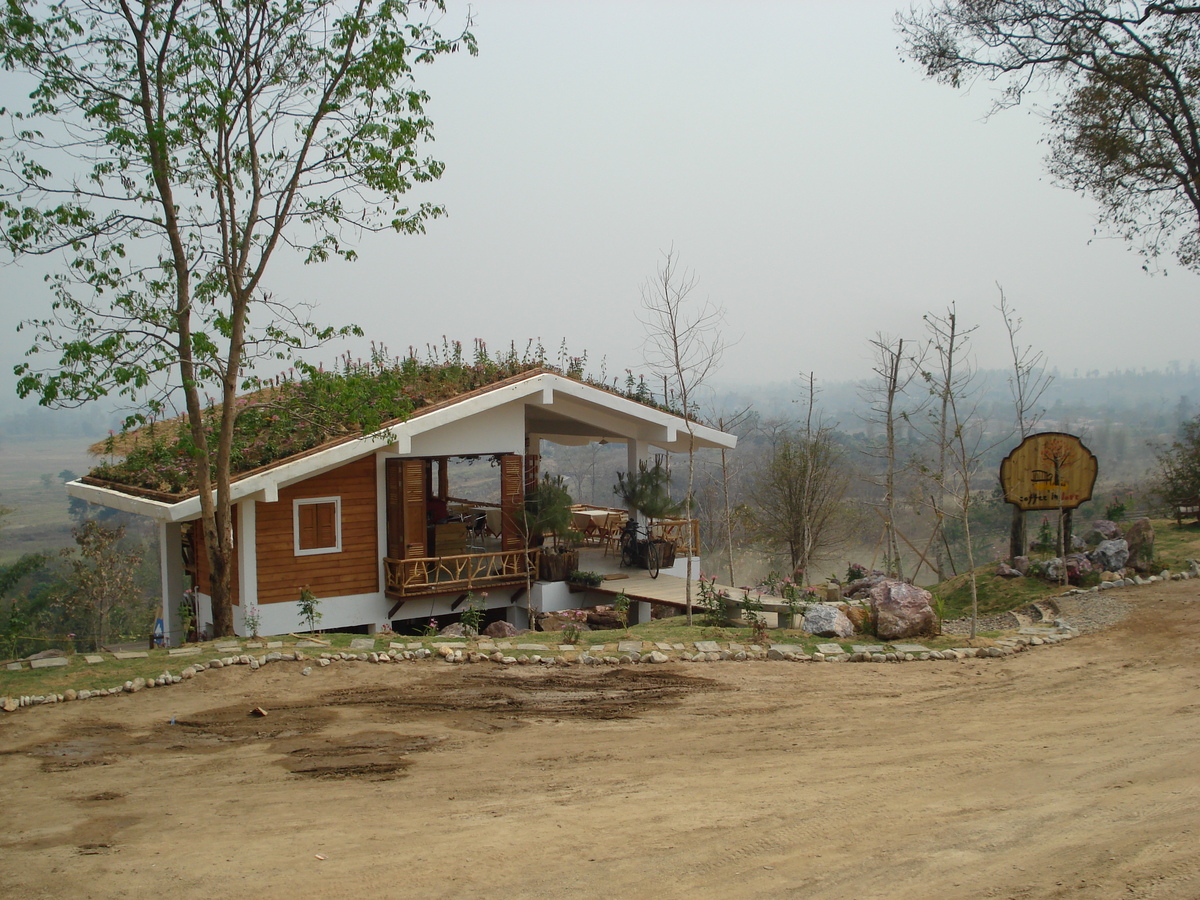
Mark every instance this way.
x=296 y=413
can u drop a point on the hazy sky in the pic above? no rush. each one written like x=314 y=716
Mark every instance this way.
x=821 y=190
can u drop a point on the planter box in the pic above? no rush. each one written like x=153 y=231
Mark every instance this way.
x=557 y=566
x=667 y=557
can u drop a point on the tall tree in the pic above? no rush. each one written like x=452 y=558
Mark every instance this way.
x=684 y=345
x=894 y=368
x=796 y=497
x=1027 y=383
x=169 y=149
x=946 y=378
x=1124 y=77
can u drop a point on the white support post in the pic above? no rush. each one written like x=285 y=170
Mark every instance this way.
x=170 y=550
x=632 y=454
x=247 y=560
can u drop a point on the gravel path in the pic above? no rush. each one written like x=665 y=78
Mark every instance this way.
x=1086 y=613
x=1093 y=612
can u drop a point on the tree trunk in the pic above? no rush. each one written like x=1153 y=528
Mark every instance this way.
x=1017 y=537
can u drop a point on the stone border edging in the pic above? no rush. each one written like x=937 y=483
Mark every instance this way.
x=465 y=655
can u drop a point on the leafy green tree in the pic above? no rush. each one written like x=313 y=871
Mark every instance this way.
x=101 y=588
x=648 y=490
x=1124 y=76
x=796 y=497
x=168 y=150
x=1176 y=477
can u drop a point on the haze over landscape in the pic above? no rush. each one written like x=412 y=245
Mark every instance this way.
x=821 y=190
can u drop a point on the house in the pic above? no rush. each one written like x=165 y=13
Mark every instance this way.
x=360 y=521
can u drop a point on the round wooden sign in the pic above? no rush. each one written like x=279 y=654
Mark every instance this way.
x=1051 y=470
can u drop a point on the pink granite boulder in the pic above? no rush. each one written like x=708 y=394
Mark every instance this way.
x=901 y=610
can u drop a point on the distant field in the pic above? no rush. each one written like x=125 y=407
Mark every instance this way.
x=39 y=521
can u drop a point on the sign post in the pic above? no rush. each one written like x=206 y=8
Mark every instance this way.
x=1051 y=470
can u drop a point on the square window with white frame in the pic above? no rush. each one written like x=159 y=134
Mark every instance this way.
x=317 y=525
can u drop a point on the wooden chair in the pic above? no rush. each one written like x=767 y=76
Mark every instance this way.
x=610 y=532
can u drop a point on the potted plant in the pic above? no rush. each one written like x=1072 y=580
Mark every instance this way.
x=580 y=581
x=647 y=491
x=548 y=512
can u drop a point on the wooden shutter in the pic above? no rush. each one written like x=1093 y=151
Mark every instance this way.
x=512 y=498
x=317 y=525
x=306 y=521
x=326 y=524
x=412 y=484
x=394 y=500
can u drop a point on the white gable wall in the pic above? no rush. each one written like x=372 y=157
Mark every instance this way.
x=499 y=430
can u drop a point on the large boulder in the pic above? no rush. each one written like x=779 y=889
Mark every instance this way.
x=1140 y=538
x=824 y=620
x=860 y=618
x=862 y=586
x=902 y=610
x=605 y=618
x=1110 y=556
x=501 y=629
x=1102 y=530
x=555 y=622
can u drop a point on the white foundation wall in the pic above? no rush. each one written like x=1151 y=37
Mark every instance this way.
x=679 y=570
x=552 y=596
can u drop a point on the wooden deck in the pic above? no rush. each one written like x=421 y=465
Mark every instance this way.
x=639 y=586
x=666 y=589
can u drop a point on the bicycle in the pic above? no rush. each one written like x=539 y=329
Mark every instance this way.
x=632 y=548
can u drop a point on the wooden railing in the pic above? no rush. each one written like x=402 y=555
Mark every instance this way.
x=468 y=571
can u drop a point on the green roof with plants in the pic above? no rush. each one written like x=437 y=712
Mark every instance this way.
x=310 y=406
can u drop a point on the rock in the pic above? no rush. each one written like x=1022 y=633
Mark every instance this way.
x=901 y=610
x=858 y=616
x=602 y=618
x=1078 y=565
x=1140 y=538
x=1004 y=570
x=1102 y=530
x=307 y=670
x=47 y=654
x=1110 y=555
x=454 y=629
x=862 y=587
x=553 y=623
x=501 y=629
x=1021 y=564
x=655 y=656
x=824 y=620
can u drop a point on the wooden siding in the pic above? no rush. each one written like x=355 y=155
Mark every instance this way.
x=355 y=570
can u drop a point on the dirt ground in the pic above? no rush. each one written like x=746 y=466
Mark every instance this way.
x=1069 y=771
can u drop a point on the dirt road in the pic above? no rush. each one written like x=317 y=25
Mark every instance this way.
x=1071 y=771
